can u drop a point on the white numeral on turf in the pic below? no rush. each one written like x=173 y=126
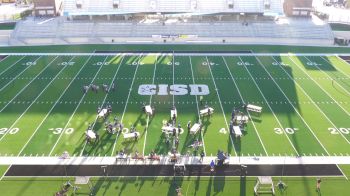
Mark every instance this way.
x=243 y=63
x=30 y=63
x=11 y=131
x=175 y=63
x=59 y=130
x=102 y=63
x=343 y=130
x=312 y=63
x=210 y=63
x=279 y=63
x=66 y=63
x=288 y=130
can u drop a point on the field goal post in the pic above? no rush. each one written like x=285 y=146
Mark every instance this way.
x=83 y=180
x=264 y=185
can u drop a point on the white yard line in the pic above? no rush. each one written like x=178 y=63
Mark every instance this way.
x=295 y=82
x=11 y=65
x=262 y=94
x=37 y=97
x=76 y=108
x=342 y=172
x=150 y=102
x=14 y=78
x=335 y=81
x=240 y=95
x=3 y=175
x=295 y=109
x=319 y=86
x=199 y=116
x=57 y=101
x=222 y=109
x=164 y=160
x=27 y=84
x=338 y=69
x=173 y=75
x=126 y=103
x=104 y=100
x=4 y=59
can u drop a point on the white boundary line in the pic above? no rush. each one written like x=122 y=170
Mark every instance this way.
x=126 y=103
x=14 y=78
x=179 y=54
x=37 y=97
x=27 y=84
x=328 y=75
x=199 y=117
x=240 y=95
x=185 y=178
x=297 y=65
x=104 y=100
x=76 y=108
x=165 y=160
x=262 y=65
x=302 y=89
x=222 y=109
x=150 y=102
x=12 y=65
x=56 y=102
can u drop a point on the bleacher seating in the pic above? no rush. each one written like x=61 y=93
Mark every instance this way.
x=304 y=29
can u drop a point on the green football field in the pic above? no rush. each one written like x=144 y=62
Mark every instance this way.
x=305 y=101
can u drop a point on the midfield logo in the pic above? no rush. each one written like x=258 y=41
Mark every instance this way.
x=176 y=89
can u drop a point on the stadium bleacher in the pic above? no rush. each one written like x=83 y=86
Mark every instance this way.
x=247 y=20
x=302 y=29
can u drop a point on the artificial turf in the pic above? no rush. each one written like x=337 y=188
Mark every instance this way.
x=43 y=111
x=305 y=103
x=303 y=186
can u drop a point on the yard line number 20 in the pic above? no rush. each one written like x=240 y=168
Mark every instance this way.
x=334 y=131
x=12 y=131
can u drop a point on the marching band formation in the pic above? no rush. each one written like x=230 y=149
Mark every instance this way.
x=171 y=128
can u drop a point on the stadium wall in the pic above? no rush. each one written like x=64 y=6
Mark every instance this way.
x=5 y=37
